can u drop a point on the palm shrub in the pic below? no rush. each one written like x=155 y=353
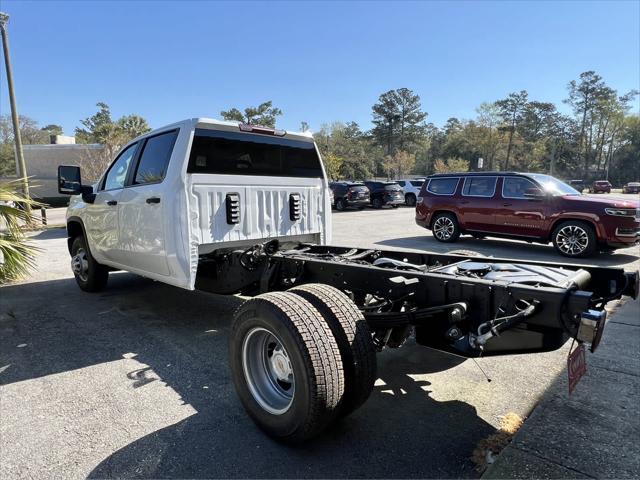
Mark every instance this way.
x=17 y=253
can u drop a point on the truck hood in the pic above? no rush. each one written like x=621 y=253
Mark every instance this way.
x=604 y=202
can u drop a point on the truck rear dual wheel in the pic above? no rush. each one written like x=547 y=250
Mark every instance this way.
x=351 y=331
x=286 y=366
x=300 y=359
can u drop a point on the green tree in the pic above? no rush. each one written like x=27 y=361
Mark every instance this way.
x=100 y=128
x=584 y=97
x=16 y=251
x=52 y=129
x=451 y=165
x=400 y=164
x=333 y=165
x=30 y=133
x=398 y=121
x=264 y=114
x=625 y=155
x=351 y=145
x=510 y=110
x=132 y=126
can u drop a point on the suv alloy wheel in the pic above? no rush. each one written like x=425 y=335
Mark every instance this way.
x=445 y=227
x=574 y=239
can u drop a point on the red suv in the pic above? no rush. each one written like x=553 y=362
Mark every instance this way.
x=601 y=186
x=526 y=206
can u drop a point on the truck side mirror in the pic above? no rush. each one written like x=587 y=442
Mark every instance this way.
x=69 y=180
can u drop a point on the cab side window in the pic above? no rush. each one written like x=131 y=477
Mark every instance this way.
x=154 y=159
x=117 y=174
x=514 y=187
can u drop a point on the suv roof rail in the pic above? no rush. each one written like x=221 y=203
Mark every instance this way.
x=460 y=174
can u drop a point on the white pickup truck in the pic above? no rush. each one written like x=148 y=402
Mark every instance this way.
x=240 y=209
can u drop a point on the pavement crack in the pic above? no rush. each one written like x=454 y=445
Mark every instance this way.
x=614 y=370
x=625 y=323
x=542 y=457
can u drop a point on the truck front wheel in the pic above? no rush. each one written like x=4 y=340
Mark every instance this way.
x=286 y=366
x=90 y=275
x=354 y=339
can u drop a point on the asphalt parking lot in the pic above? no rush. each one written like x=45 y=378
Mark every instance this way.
x=133 y=382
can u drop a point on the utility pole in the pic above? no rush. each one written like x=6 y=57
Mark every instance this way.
x=21 y=167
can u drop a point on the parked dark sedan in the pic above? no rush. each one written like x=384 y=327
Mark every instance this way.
x=385 y=193
x=631 y=187
x=349 y=194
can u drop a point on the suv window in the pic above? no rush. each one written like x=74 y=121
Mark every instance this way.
x=514 y=187
x=443 y=186
x=117 y=174
x=416 y=183
x=236 y=153
x=154 y=159
x=402 y=183
x=479 y=186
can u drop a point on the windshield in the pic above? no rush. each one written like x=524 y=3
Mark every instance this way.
x=553 y=185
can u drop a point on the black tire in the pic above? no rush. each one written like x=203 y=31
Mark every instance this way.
x=377 y=202
x=341 y=205
x=312 y=355
x=583 y=235
x=89 y=274
x=445 y=227
x=410 y=200
x=354 y=339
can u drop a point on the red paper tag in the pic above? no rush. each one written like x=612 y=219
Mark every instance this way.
x=576 y=366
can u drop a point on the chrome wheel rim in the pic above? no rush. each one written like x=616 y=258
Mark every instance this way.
x=80 y=265
x=268 y=371
x=443 y=228
x=572 y=240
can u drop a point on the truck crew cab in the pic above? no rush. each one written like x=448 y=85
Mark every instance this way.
x=240 y=209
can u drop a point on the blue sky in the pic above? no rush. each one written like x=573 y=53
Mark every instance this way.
x=318 y=62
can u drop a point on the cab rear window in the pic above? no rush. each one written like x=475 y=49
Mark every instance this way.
x=443 y=186
x=237 y=153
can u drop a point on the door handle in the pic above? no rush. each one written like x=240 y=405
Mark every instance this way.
x=153 y=200
x=112 y=202
x=506 y=204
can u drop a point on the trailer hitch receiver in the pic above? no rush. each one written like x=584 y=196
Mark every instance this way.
x=591 y=327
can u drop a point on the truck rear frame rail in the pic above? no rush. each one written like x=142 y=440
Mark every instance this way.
x=462 y=304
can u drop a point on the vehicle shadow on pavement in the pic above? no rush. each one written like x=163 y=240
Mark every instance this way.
x=180 y=338
x=506 y=249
